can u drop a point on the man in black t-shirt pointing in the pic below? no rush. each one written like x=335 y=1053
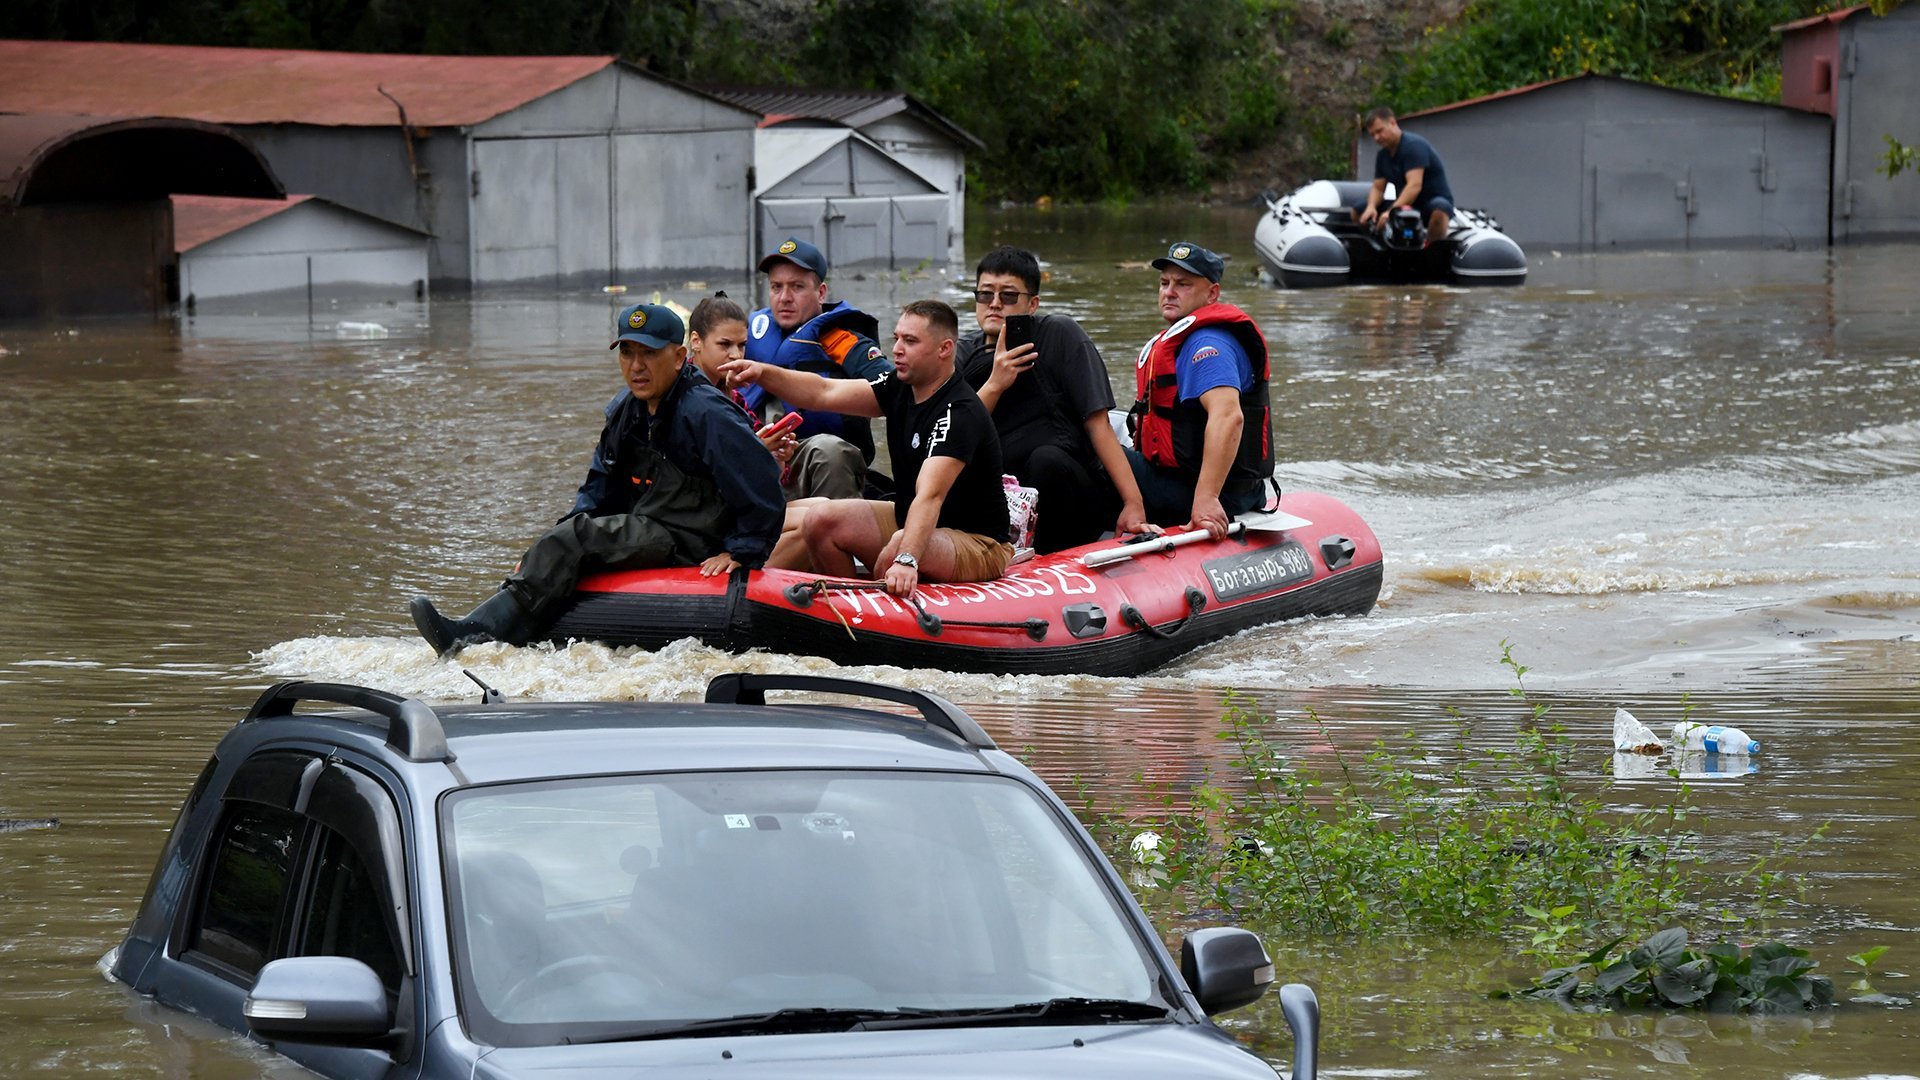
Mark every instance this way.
x=948 y=518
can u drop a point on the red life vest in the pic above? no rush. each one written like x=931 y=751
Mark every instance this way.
x=1172 y=433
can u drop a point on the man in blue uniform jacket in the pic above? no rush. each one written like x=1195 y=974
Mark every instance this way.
x=679 y=479
x=799 y=330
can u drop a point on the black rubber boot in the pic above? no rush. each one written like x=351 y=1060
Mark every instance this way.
x=500 y=618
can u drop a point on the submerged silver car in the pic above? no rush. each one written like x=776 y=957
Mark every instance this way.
x=727 y=888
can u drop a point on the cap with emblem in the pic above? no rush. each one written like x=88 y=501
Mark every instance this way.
x=799 y=253
x=1194 y=259
x=653 y=325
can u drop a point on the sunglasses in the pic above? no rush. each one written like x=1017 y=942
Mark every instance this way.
x=1008 y=297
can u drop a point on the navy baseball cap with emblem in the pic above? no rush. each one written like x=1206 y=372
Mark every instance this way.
x=1194 y=259
x=653 y=325
x=799 y=253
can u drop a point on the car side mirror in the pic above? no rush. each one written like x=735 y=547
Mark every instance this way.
x=1225 y=967
x=326 y=1000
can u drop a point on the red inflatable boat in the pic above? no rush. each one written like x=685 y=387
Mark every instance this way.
x=1102 y=609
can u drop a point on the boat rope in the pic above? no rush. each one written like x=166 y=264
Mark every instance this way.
x=802 y=594
x=1130 y=615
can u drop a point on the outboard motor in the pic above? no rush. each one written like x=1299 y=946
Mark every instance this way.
x=1404 y=230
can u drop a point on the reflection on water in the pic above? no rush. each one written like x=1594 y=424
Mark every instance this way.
x=1654 y=474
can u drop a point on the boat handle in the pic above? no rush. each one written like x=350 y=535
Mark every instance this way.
x=1196 y=602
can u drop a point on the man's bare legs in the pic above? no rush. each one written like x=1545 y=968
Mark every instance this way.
x=790 y=551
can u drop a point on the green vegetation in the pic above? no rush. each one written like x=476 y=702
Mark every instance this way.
x=1390 y=844
x=1717 y=46
x=1900 y=157
x=1663 y=971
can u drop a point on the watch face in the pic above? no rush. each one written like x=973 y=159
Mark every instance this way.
x=905 y=559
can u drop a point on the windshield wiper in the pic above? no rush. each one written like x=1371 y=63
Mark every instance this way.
x=779 y=1021
x=1061 y=1010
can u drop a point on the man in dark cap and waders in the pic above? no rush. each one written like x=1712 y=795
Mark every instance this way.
x=679 y=479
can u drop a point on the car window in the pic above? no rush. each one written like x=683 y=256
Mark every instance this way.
x=246 y=887
x=589 y=905
x=343 y=915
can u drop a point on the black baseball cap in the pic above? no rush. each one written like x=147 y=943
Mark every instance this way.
x=799 y=253
x=654 y=325
x=1194 y=259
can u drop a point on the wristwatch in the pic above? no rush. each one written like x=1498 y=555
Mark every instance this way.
x=907 y=559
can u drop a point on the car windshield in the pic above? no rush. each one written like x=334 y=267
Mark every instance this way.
x=627 y=907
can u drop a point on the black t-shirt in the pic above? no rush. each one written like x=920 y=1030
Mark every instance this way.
x=950 y=423
x=1049 y=403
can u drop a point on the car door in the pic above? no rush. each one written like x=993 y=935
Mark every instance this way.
x=308 y=858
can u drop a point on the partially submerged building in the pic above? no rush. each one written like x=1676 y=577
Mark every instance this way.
x=86 y=225
x=1597 y=162
x=1859 y=69
x=874 y=178
x=519 y=169
x=228 y=248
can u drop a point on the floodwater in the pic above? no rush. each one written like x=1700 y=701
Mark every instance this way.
x=1653 y=475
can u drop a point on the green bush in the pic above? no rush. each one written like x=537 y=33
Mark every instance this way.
x=1717 y=46
x=1389 y=845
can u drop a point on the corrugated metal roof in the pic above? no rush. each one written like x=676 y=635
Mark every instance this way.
x=854 y=108
x=276 y=86
x=1584 y=76
x=198 y=219
x=1839 y=16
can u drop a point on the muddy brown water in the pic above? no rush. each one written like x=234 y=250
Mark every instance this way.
x=1655 y=475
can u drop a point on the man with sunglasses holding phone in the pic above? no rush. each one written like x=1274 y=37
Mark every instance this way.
x=1049 y=398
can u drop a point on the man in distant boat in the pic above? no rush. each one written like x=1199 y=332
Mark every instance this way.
x=1411 y=164
x=947 y=520
x=1049 y=398
x=678 y=479
x=799 y=330
x=1202 y=432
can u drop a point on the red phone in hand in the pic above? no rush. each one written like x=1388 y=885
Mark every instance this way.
x=787 y=422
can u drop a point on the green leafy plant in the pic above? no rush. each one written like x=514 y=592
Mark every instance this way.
x=1664 y=972
x=1899 y=158
x=1866 y=960
x=1551 y=929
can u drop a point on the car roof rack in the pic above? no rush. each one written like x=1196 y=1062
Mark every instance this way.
x=413 y=728
x=739 y=688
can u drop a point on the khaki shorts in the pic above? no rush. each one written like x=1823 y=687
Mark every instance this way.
x=975 y=557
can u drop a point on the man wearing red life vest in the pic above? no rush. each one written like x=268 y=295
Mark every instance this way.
x=1202 y=430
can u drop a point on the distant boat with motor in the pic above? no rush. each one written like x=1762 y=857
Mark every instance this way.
x=1310 y=237
x=1103 y=609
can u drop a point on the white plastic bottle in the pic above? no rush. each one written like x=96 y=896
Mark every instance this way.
x=1713 y=738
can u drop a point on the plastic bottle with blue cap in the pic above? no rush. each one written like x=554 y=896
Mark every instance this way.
x=1713 y=739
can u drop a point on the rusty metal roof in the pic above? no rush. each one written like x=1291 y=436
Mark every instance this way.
x=51 y=157
x=200 y=218
x=1840 y=16
x=854 y=108
x=276 y=86
x=1587 y=76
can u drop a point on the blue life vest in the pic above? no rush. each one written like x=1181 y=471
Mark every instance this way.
x=820 y=345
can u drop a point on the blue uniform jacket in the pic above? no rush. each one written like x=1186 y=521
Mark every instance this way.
x=705 y=435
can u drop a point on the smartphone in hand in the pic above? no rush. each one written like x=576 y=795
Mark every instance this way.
x=787 y=422
x=1019 y=331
